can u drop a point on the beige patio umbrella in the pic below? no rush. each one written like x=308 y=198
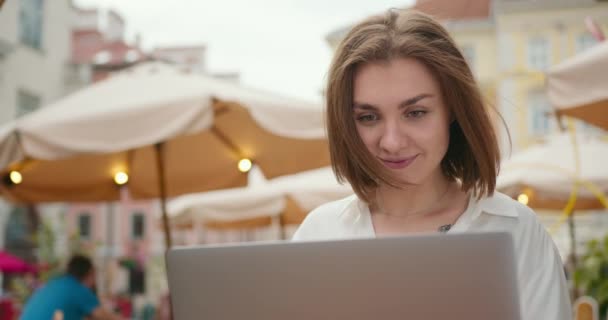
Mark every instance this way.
x=578 y=87
x=547 y=172
x=288 y=198
x=171 y=132
x=544 y=176
x=9 y=144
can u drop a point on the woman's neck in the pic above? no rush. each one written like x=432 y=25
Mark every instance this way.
x=415 y=200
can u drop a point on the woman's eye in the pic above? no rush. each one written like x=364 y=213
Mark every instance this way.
x=416 y=114
x=367 y=117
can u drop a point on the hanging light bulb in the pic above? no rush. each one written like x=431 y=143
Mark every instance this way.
x=120 y=178
x=245 y=165
x=16 y=177
x=523 y=199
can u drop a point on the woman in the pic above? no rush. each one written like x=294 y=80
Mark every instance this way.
x=409 y=130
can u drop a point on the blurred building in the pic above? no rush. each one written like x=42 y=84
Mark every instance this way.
x=97 y=51
x=192 y=58
x=531 y=37
x=34 y=53
x=114 y=26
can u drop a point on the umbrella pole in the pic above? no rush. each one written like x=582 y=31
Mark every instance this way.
x=109 y=252
x=160 y=161
x=572 y=239
x=573 y=259
x=283 y=232
x=282 y=227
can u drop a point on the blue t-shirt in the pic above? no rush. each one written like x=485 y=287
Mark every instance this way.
x=64 y=293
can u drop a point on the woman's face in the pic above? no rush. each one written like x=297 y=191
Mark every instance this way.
x=401 y=118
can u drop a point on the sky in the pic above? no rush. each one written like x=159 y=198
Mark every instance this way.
x=276 y=45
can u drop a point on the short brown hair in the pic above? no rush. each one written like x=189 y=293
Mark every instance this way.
x=473 y=155
x=79 y=266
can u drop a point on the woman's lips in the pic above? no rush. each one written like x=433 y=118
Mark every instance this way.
x=399 y=163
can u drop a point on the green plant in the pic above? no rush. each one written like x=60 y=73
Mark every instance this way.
x=591 y=275
x=48 y=261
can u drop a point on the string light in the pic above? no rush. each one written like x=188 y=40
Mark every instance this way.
x=245 y=165
x=120 y=178
x=523 y=199
x=16 y=177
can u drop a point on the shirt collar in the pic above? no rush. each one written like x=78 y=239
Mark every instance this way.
x=497 y=204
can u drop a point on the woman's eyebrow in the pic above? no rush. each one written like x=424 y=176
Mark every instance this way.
x=406 y=103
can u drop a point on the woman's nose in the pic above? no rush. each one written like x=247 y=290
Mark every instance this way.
x=393 y=138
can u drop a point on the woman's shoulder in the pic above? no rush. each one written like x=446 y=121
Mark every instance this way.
x=499 y=204
x=326 y=220
x=333 y=209
x=519 y=219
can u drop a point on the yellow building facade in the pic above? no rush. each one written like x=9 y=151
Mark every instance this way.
x=532 y=36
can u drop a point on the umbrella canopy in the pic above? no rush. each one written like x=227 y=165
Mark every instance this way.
x=12 y=264
x=577 y=87
x=9 y=145
x=290 y=197
x=206 y=125
x=172 y=132
x=118 y=113
x=546 y=173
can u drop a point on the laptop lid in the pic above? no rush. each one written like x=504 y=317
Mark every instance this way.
x=441 y=276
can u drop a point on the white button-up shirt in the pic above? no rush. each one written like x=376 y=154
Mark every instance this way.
x=541 y=280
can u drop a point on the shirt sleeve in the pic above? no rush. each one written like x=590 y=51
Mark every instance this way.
x=87 y=300
x=542 y=281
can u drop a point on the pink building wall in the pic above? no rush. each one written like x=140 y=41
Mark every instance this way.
x=123 y=211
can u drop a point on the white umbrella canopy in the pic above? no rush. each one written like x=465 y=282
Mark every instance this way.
x=226 y=205
x=548 y=171
x=9 y=144
x=206 y=126
x=157 y=122
x=150 y=103
x=578 y=87
x=306 y=190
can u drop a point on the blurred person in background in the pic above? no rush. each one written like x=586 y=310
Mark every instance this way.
x=409 y=130
x=71 y=295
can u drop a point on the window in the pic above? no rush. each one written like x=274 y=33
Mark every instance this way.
x=469 y=54
x=138 y=225
x=16 y=232
x=26 y=102
x=131 y=56
x=538 y=53
x=30 y=23
x=584 y=42
x=540 y=114
x=19 y=234
x=506 y=56
x=84 y=226
x=102 y=57
x=137 y=281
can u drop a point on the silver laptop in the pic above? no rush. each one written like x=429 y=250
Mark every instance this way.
x=444 y=276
